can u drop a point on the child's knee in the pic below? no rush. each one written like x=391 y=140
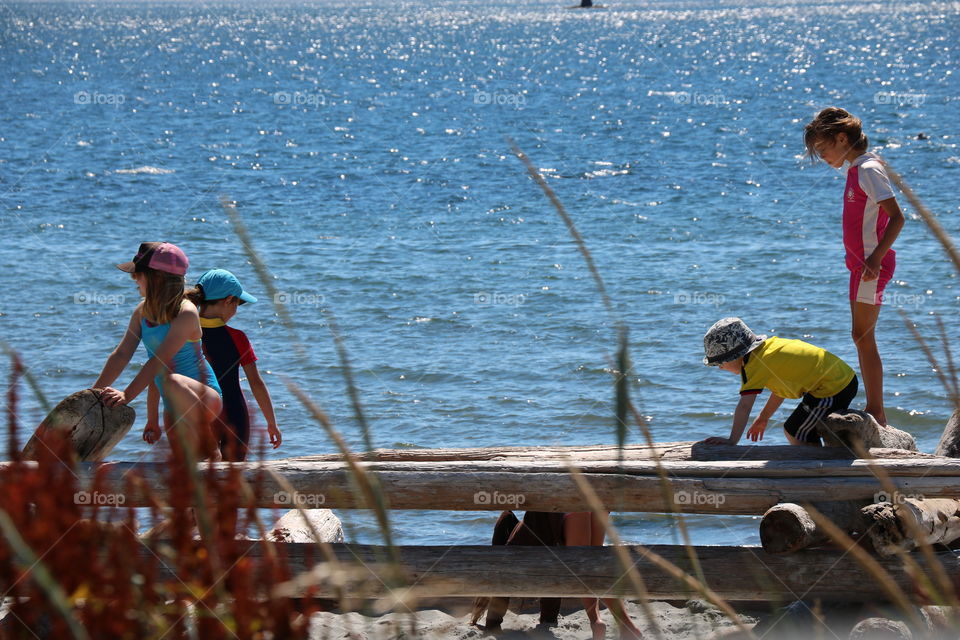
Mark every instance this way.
x=863 y=335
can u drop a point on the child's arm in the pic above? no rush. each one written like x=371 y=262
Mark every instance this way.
x=740 y=416
x=871 y=268
x=262 y=395
x=151 y=432
x=760 y=424
x=121 y=355
x=182 y=329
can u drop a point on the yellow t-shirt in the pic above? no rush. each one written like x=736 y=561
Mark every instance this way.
x=791 y=368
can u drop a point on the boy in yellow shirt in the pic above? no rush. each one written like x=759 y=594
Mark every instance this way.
x=789 y=369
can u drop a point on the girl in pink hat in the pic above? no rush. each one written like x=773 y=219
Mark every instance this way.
x=169 y=326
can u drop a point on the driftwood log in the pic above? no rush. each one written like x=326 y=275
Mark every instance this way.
x=949 y=445
x=291 y=527
x=735 y=573
x=897 y=521
x=890 y=521
x=493 y=486
x=858 y=428
x=892 y=525
x=92 y=428
x=880 y=629
x=789 y=527
x=664 y=451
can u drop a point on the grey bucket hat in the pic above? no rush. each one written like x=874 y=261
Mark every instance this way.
x=728 y=340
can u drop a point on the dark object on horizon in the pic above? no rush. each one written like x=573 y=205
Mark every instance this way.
x=922 y=136
x=586 y=3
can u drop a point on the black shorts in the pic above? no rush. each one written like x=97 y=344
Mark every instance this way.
x=802 y=423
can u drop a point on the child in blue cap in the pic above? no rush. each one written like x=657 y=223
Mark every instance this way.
x=217 y=295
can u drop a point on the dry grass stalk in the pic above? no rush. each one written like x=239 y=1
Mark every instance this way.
x=869 y=563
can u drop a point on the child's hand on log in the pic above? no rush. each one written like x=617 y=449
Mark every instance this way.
x=757 y=428
x=112 y=397
x=151 y=432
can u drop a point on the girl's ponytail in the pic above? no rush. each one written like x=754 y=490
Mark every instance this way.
x=196 y=296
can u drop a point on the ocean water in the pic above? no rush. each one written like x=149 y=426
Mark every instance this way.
x=366 y=147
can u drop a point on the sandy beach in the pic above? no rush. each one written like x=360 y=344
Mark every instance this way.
x=695 y=620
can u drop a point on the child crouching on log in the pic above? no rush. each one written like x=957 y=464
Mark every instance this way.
x=789 y=369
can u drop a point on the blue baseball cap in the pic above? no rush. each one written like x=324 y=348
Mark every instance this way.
x=217 y=284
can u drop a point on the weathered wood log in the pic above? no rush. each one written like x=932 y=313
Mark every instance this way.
x=880 y=629
x=949 y=445
x=666 y=451
x=928 y=466
x=92 y=428
x=333 y=486
x=789 y=527
x=858 y=428
x=735 y=573
x=292 y=528
x=892 y=524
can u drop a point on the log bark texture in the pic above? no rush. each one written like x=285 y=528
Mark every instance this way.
x=292 y=528
x=893 y=524
x=789 y=527
x=93 y=429
x=735 y=573
x=849 y=429
x=949 y=445
x=665 y=451
x=517 y=486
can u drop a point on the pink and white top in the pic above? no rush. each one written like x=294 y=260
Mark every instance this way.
x=864 y=220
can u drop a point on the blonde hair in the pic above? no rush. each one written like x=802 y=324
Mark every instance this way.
x=165 y=295
x=828 y=124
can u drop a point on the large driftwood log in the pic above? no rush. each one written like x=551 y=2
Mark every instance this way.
x=892 y=525
x=511 y=485
x=735 y=573
x=858 y=428
x=292 y=528
x=665 y=451
x=93 y=429
x=786 y=528
x=949 y=445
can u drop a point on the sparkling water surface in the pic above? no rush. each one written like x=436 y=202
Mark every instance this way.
x=366 y=146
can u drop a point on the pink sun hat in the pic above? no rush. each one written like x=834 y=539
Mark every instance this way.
x=161 y=256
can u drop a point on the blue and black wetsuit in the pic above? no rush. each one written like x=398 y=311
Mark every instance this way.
x=227 y=349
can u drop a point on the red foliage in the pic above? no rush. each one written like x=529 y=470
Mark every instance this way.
x=119 y=585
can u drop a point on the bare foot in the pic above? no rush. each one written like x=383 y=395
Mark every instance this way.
x=599 y=630
x=630 y=633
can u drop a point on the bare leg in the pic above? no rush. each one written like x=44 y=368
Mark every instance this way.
x=799 y=443
x=195 y=406
x=577 y=533
x=584 y=529
x=871 y=367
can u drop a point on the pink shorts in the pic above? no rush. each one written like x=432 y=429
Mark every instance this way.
x=868 y=292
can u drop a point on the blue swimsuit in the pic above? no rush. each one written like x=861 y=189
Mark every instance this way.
x=189 y=361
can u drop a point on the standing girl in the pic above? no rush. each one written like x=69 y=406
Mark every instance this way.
x=169 y=326
x=871 y=223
